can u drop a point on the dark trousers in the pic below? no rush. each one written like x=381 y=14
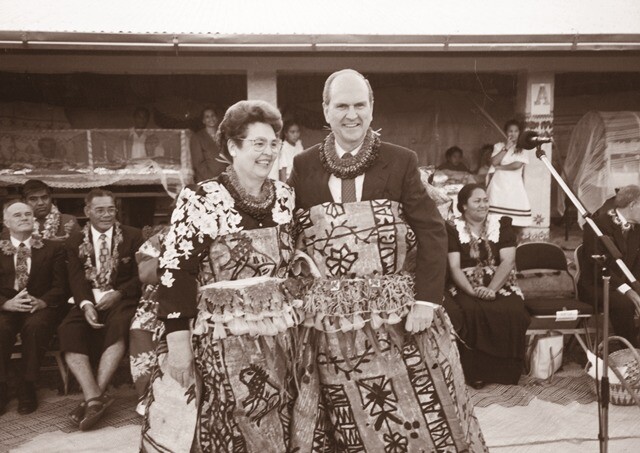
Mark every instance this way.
x=36 y=330
x=622 y=311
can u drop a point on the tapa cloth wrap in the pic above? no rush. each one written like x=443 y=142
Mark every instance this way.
x=243 y=396
x=382 y=389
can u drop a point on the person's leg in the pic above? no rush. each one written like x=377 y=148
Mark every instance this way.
x=109 y=364
x=9 y=327
x=36 y=334
x=10 y=324
x=76 y=336
x=37 y=331
x=81 y=368
x=622 y=311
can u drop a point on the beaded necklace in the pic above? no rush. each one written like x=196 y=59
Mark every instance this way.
x=257 y=207
x=354 y=166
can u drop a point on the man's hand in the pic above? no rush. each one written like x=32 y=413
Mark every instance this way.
x=108 y=300
x=420 y=318
x=37 y=304
x=91 y=315
x=180 y=357
x=21 y=303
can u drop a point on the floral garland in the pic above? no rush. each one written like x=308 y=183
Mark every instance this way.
x=354 y=166
x=489 y=233
x=624 y=225
x=51 y=224
x=86 y=251
x=257 y=207
x=8 y=248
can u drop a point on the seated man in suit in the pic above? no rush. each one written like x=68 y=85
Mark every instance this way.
x=617 y=218
x=50 y=223
x=32 y=293
x=104 y=283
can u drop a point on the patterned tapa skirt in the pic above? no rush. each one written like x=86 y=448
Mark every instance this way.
x=383 y=390
x=243 y=395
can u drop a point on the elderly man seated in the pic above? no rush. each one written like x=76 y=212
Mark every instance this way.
x=32 y=293
x=104 y=282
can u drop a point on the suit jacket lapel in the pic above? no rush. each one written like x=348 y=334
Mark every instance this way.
x=375 y=179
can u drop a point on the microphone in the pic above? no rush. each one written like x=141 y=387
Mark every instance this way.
x=531 y=139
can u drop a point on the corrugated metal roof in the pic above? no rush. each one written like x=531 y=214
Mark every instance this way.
x=355 y=24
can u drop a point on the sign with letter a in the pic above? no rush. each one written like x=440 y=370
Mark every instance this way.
x=540 y=99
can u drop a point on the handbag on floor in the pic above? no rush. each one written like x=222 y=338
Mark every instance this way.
x=544 y=355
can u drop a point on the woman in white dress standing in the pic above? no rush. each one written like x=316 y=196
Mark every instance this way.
x=507 y=195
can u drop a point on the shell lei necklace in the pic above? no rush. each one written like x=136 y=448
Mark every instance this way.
x=354 y=166
x=257 y=207
x=474 y=250
x=51 y=224
x=86 y=251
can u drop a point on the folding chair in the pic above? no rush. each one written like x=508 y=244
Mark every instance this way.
x=549 y=289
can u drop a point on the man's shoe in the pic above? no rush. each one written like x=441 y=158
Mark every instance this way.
x=27 y=398
x=4 y=397
x=93 y=413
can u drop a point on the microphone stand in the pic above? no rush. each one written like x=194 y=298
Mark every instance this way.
x=613 y=252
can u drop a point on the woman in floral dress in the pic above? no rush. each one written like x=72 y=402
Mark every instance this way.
x=487 y=308
x=226 y=384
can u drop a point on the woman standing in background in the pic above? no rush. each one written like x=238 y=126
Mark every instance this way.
x=507 y=195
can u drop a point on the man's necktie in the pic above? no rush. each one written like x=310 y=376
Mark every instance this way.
x=348 y=186
x=103 y=256
x=22 y=270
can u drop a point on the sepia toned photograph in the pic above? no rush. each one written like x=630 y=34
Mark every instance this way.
x=277 y=226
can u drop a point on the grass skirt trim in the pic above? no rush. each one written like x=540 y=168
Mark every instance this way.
x=256 y=306
x=346 y=304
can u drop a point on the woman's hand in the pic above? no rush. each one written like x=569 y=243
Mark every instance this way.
x=485 y=293
x=180 y=357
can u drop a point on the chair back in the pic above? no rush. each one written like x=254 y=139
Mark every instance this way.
x=540 y=255
x=577 y=257
x=542 y=271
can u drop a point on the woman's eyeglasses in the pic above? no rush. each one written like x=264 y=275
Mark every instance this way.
x=260 y=144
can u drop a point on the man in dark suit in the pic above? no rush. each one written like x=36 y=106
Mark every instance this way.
x=393 y=175
x=32 y=293
x=104 y=283
x=618 y=218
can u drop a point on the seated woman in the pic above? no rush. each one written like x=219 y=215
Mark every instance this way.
x=486 y=306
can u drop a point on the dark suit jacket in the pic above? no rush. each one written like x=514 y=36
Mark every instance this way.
x=47 y=276
x=591 y=246
x=393 y=176
x=124 y=279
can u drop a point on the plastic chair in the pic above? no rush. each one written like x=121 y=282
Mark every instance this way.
x=549 y=289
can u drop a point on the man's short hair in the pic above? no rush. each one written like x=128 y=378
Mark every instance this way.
x=95 y=193
x=626 y=195
x=326 y=93
x=140 y=109
x=34 y=185
x=10 y=203
x=451 y=151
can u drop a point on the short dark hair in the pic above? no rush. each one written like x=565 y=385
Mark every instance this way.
x=465 y=194
x=238 y=118
x=451 y=151
x=288 y=123
x=512 y=122
x=95 y=193
x=326 y=92
x=34 y=185
x=208 y=107
x=626 y=195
